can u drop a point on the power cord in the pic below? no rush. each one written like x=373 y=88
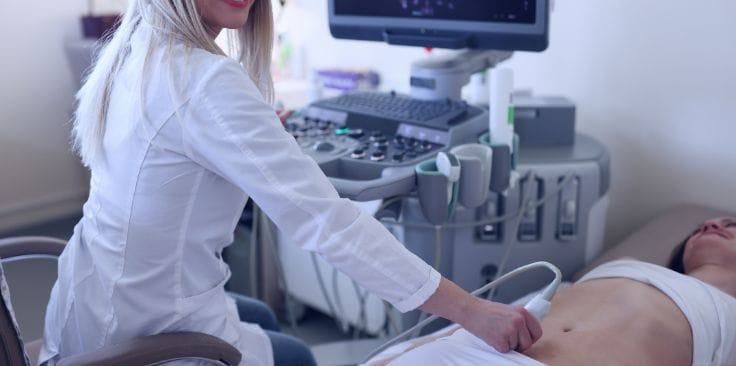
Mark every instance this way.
x=523 y=208
x=253 y=253
x=436 y=266
x=338 y=303
x=338 y=319
x=271 y=244
x=363 y=316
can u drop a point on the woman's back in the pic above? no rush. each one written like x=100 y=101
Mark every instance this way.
x=156 y=221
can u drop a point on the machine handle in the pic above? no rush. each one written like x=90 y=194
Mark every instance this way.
x=393 y=182
x=457 y=41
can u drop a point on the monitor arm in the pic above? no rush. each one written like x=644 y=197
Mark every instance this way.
x=444 y=77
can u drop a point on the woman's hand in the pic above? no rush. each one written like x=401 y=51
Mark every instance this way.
x=284 y=115
x=503 y=327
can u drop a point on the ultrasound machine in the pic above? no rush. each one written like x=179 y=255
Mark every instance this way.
x=546 y=196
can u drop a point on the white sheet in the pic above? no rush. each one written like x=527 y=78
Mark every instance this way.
x=462 y=348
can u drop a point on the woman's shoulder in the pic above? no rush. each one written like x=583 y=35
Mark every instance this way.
x=200 y=65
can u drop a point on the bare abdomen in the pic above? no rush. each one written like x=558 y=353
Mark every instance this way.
x=613 y=322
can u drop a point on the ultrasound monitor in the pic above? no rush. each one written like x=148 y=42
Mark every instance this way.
x=454 y=24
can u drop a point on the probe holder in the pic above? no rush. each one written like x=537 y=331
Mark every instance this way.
x=435 y=197
x=501 y=166
x=475 y=173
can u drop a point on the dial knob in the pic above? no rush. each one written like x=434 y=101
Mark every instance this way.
x=324 y=146
x=378 y=156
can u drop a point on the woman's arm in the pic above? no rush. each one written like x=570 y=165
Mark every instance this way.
x=229 y=130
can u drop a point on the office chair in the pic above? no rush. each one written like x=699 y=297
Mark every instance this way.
x=148 y=350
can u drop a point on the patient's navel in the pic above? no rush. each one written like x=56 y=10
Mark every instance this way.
x=566 y=329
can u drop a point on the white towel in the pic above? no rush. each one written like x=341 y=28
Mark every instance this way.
x=710 y=312
x=462 y=348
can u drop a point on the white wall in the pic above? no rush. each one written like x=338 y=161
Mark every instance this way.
x=39 y=177
x=655 y=81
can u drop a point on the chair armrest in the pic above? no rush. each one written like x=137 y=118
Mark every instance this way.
x=30 y=245
x=157 y=349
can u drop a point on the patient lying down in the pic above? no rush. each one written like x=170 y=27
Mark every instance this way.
x=625 y=313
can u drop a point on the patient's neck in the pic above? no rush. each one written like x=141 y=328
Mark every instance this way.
x=722 y=278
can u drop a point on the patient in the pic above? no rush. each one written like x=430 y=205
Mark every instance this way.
x=627 y=312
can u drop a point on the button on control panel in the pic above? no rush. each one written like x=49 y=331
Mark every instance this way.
x=530 y=224
x=567 y=215
x=326 y=140
x=322 y=140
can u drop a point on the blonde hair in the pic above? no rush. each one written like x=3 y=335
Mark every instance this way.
x=169 y=19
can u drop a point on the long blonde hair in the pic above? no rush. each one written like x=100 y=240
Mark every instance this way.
x=251 y=45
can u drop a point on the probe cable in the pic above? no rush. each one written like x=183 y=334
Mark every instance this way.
x=548 y=292
x=527 y=203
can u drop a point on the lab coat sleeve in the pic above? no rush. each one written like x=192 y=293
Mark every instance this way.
x=230 y=130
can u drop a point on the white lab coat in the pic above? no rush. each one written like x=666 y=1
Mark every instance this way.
x=180 y=165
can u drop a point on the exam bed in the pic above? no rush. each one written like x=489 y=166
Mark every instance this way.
x=653 y=242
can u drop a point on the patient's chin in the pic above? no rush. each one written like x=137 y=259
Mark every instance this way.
x=710 y=245
x=709 y=239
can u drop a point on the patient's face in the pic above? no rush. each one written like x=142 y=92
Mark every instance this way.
x=713 y=243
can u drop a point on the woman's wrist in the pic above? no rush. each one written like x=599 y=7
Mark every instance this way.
x=451 y=302
x=467 y=308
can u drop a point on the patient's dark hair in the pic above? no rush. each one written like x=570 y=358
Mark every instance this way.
x=676 y=264
x=676 y=258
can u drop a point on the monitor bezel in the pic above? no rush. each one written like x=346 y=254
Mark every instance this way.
x=485 y=35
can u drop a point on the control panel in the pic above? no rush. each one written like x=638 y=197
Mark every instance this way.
x=325 y=141
x=369 y=143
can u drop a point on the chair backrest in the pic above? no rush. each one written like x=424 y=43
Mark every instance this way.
x=12 y=352
x=147 y=350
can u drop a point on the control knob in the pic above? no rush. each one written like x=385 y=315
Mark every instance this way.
x=324 y=146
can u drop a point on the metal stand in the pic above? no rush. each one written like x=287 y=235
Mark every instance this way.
x=444 y=77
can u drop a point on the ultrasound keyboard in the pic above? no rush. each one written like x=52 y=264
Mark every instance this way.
x=369 y=143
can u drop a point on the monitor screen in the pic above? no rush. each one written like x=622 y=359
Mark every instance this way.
x=481 y=24
x=522 y=11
